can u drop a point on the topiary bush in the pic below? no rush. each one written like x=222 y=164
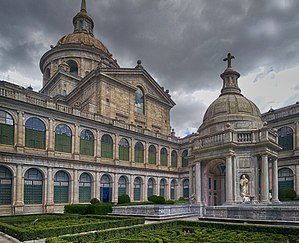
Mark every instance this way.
x=94 y=201
x=170 y=202
x=157 y=199
x=286 y=194
x=125 y=198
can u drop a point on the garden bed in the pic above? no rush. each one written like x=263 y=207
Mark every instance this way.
x=186 y=231
x=31 y=227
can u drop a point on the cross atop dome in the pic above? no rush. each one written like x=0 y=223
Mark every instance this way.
x=229 y=60
x=230 y=78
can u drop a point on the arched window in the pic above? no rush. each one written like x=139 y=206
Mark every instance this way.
x=106 y=189
x=84 y=188
x=61 y=187
x=86 y=143
x=174 y=159
x=33 y=187
x=163 y=157
x=285 y=138
x=184 y=158
x=73 y=67
x=162 y=187
x=139 y=152
x=152 y=154
x=137 y=189
x=6 y=128
x=186 y=188
x=122 y=186
x=63 y=138
x=150 y=187
x=285 y=178
x=35 y=133
x=123 y=149
x=106 y=146
x=172 y=189
x=5 y=186
x=139 y=101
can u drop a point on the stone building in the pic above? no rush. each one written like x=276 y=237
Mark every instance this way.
x=286 y=121
x=99 y=130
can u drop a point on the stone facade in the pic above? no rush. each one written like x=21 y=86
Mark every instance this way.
x=98 y=130
x=286 y=121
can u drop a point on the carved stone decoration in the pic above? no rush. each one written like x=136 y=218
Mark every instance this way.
x=244 y=185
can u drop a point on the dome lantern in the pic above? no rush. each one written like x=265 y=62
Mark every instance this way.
x=82 y=21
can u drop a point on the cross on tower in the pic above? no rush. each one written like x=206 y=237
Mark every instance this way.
x=229 y=60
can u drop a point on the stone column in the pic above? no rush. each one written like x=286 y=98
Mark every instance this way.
x=19 y=204
x=167 y=189
x=158 y=163
x=21 y=132
x=50 y=191
x=131 y=187
x=116 y=148
x=76 y=142
x=51 y=141
x=274 y=181
x=76 y=187
x=169 y=157
x=146 y=155
x=98 y=147
x=97 y=185
x=144 y=189
x=297 y=136
x=115 y=189
x=190 y=181
x=229 y=180
x=297 y=179
x=198 y=196
x=265 y=180
x=132 y=151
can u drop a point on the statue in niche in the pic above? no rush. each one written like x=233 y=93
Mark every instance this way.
x=244 y=185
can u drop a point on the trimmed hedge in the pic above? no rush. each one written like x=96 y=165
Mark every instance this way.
x=125 y=198
x=99 y=209
x=286 y=194
x=11 y=227
x=157 y=199
x=117 y=235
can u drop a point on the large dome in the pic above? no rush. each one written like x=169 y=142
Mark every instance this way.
x=231 y=107
x=83 y=38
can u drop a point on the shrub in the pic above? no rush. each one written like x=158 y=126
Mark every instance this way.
x=94 y=201
x=124 y=199
x=157 y=199
x=169 y=202
x=99 y=209
x=181 y=199
x=286 y=194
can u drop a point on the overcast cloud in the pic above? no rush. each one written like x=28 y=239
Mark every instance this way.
x=181 y=44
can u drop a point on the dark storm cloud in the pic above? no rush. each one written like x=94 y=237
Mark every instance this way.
x=180 y=42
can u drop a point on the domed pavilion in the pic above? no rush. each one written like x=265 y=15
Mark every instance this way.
x=234 y=153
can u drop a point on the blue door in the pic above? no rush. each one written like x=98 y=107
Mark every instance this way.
x=106 y=194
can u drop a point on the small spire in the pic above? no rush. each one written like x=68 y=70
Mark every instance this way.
x=83 y=6
x=230 y=78
x=139 y=65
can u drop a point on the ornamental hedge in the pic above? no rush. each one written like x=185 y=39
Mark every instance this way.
x=183 y=231
x=99 y=209
x=41 y=226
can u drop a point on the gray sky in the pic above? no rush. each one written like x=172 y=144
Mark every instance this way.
x=181 y=44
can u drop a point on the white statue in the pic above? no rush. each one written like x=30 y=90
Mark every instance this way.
x=244 y=186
